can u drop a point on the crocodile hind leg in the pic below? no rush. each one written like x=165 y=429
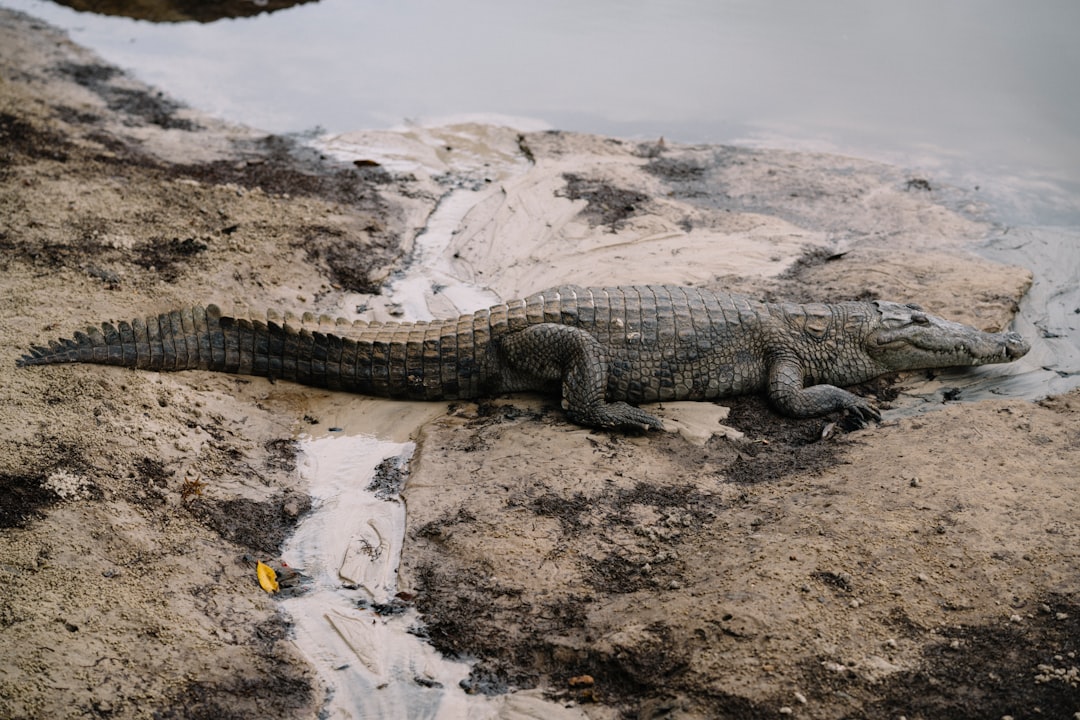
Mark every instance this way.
x=549 y=351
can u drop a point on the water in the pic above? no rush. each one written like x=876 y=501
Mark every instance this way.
x=975 y=92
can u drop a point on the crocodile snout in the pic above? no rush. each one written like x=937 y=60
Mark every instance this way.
x=1015 y=346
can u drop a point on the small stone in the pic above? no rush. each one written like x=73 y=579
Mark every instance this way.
x=855 y=603
x=1015 y=618
x=890 y=643
x=800 y=697
x=1062 y=616
x=915 y=482
x=786 y=710
x=922 y=577
x=581 y=681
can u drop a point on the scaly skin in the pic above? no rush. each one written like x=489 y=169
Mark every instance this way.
x=609 y=349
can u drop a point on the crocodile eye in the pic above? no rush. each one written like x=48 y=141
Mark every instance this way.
x=919 y=319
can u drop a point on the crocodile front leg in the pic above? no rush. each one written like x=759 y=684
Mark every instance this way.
x=549 y=351
x=789 y=396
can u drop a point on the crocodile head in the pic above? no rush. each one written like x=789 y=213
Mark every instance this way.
x=907 y=338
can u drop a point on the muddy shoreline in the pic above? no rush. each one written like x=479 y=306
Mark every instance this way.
x=740 y=567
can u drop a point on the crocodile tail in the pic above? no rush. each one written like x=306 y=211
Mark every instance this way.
x=417 y=361
x=197 y=338
x=177 y=340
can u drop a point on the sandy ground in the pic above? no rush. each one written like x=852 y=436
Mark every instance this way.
x=741 y=567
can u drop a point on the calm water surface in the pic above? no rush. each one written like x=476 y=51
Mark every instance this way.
x=973 y=92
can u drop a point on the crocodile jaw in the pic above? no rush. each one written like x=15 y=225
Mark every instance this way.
x=909 y=339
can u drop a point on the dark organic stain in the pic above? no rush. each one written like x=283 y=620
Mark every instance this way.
x=840 y=581
x=76 y=116
x=24 y=498
x=279 y=165
x=258 y=526
x=519 y=638
x=138 y=104
x=283 y=693
x=461 y=622
x=389 y=478
x=616 y=574
x=346 y=260
x=525 y=150
x=902 y=623
x=486 y=678
x=168 y=257
x=354 y=261
x=607 y=204
x=20 y=139
x=150 y=488
x=970 y=672
x=810 y=259
x=489 y=411
x=677 y=169
x=685 y=497
x=281 y=454
x=653 y=660
x=89 y=76
x=567 y=511
x=794 y=446
x=437 y=528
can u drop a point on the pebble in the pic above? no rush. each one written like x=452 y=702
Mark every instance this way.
x=801 y=698
x=581 y=681
x=786 y=710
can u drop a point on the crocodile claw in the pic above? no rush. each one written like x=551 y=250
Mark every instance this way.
x=616 y=415
x=861 y=413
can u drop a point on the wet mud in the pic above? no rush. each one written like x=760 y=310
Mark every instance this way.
x=924 y=567
x=623 y=590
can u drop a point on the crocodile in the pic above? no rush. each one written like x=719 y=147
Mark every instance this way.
x=607 y=349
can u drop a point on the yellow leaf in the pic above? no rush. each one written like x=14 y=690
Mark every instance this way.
x=267 y=577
